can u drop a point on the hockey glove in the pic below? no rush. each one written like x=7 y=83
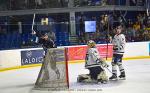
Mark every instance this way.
x=115 y=48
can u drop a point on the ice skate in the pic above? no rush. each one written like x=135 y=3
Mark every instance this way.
x=86 y=79
x=113 y=77
x=122 y=76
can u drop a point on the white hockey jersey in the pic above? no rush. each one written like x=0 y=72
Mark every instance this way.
x=119 y=42
x=92 y=58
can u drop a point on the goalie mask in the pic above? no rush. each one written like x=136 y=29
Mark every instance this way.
x=91 y=43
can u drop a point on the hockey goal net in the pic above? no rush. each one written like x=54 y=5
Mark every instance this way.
x=53 y=74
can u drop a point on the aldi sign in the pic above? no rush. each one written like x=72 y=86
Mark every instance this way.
x=31 y=57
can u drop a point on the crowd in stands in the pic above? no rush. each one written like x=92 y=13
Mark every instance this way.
x=79 y=3
x=136 y=26
x=41 y=4
x=139 y=30
x=135 y=30
x=31 y=4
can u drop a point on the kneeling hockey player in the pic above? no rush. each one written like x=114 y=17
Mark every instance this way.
x=95 y=64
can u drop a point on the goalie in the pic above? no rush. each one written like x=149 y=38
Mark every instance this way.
x=95 y=64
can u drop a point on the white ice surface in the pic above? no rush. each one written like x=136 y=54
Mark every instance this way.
x=137 y=72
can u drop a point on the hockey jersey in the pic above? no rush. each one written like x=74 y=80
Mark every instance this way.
x=92 y=58
x=119 y=42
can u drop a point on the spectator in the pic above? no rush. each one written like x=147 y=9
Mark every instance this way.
x=81 y=29
x=137 y=26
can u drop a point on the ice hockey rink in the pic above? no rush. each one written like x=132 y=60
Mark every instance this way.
x=137 y=72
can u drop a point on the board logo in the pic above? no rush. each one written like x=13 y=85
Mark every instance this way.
x=28 y=54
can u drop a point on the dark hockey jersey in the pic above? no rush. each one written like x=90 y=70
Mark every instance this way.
x=47 y=43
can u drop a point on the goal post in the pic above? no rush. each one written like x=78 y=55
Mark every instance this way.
x=53 y=74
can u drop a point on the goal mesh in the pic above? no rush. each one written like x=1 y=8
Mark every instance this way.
x=53 y=74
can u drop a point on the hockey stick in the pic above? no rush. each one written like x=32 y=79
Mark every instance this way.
x=33 y=22
x=32 y=28
x=108 y=69
x=147 y=7
x=33 y=32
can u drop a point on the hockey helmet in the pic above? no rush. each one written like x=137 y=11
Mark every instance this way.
x=91 y=43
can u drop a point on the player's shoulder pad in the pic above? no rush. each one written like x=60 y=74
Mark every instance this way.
x=122 y=36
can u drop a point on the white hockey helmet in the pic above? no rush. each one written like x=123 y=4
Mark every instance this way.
x=91 y=43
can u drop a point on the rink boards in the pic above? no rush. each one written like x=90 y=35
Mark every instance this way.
x=19 y=58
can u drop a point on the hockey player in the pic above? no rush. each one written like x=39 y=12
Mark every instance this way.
x=118 y=42
x=47 y=41
x=94 y=63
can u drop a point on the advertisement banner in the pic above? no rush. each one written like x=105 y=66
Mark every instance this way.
x=74 y=53
x=31 y=57
x=103 y=50
x=78 y=53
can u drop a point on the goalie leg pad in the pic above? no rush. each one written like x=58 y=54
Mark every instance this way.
x=84 y=78
x=102 y=77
